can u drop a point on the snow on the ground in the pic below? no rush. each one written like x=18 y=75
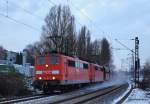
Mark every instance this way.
x=138 y=96
x=119 y=98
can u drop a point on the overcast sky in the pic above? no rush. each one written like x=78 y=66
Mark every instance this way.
x=113 y=19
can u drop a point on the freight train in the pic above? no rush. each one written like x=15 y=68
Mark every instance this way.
x=57 y=71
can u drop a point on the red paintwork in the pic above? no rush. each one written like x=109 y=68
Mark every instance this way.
x=68 y=73
x=96 y=75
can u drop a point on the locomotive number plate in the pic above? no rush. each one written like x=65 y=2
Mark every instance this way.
x=47 y=72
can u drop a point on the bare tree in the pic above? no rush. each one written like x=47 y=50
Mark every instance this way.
x=105 y=53
x=89 y=47
x=59 y=27
x=71 y=40
x=82 y=42
x=41 y=47
x=96 y=51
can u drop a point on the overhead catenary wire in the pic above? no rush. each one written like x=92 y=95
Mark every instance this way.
x=124 y=45
x=7 y=8
x=119 y=48
x=51 y=2
x=23 y=9
x=15 y=20
x=19 y=22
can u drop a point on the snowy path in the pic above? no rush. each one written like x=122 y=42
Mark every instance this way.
x=138 y=96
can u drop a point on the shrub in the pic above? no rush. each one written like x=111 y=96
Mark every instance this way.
x=12 y=84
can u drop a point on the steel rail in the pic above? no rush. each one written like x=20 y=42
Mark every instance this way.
x=125 y=97
x=21 y=99
x=87 y=96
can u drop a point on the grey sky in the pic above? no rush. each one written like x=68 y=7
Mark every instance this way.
x=121 y=19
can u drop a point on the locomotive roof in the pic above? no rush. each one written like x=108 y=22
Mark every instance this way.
x=71 y=57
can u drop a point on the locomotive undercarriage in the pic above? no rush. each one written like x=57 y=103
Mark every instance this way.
x=53 y=85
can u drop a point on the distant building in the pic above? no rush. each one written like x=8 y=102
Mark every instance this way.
x=3 y=62
x=11 y=57
x=24 y=60
x=24 y=68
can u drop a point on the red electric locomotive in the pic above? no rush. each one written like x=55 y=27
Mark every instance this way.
x=57 y=71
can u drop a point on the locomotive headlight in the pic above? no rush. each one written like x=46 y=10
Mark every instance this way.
x=55 y=71
x=40 y=78
x=53 y=78
x=46 y=66
x=39 y=72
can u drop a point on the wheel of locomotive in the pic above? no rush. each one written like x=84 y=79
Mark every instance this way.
x=46 y=89
x=79 y=86
x=62 y=89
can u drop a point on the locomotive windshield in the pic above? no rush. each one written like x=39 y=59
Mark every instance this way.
x=41 y=60
x=53 y=59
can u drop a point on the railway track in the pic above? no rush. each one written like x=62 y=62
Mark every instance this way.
x=83 y=98
x=120 y=101
x=69 y=98
x=21 y=99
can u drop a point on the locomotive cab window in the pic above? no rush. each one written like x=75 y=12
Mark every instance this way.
x=41 y=60
x=54 y=59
